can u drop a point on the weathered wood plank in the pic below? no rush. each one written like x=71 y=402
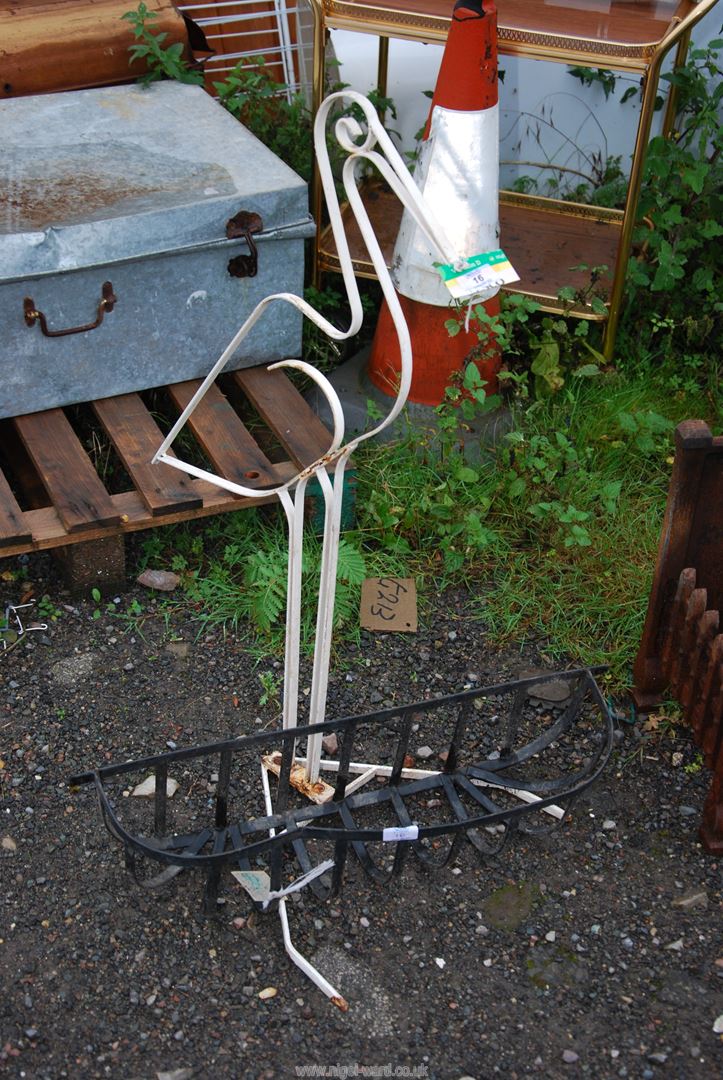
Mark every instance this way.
x=224 y=437
x=49 y=532
x=13 y=527
x=136 y=437
x=281 y=406
x=66 y=471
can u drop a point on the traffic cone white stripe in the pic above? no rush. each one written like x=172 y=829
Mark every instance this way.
x=458 y=175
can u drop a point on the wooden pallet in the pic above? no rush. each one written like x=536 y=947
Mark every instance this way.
x=51 y=494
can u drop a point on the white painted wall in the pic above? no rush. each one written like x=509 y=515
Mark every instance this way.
x=546 y=114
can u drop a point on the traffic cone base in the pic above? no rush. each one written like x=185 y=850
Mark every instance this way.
x=437 y=357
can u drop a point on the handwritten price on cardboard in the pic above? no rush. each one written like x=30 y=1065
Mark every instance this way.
x=389 y=604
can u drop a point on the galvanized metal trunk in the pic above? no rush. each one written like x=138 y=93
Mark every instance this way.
x=115 y=229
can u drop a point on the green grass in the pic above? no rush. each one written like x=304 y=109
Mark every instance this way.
x=553 y=532
x=584 y=601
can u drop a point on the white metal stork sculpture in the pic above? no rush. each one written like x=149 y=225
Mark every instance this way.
x=292 y=493
x=360 y=147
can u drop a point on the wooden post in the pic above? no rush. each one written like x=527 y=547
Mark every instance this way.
x=692 y=536
x=95 y=564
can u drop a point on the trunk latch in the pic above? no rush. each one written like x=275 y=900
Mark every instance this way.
x=243 y=225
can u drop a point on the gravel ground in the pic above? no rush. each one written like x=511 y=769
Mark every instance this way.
x=595 y=951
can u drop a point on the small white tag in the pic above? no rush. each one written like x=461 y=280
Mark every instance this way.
x=257 y=883
x=409 y=832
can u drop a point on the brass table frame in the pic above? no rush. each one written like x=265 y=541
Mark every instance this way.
x=428 y=21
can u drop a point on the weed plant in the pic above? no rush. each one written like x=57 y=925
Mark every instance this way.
x=233 y=570
x=555 y=532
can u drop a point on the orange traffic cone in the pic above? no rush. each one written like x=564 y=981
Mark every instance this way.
x=458 y=174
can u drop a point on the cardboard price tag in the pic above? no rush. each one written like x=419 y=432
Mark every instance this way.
x=489 y=270
x=257 y=883
x=389 y=604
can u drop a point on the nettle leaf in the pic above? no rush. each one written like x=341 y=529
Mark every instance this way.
x=671 y=216
x=669 y=269
x=644 y=442
x=472 y=379
x=711 y=229
x=703 y=279
x=466 y=475
x=696 y=175
x=587 y=371
x=657 y=423
x=639 y=272
x=609 y=495
x=477 y=535
x=573 y=514
x=578 y=536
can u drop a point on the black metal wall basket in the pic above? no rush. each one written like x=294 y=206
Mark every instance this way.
x=509 y=766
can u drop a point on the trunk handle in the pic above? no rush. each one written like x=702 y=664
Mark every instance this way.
x=32 y=315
